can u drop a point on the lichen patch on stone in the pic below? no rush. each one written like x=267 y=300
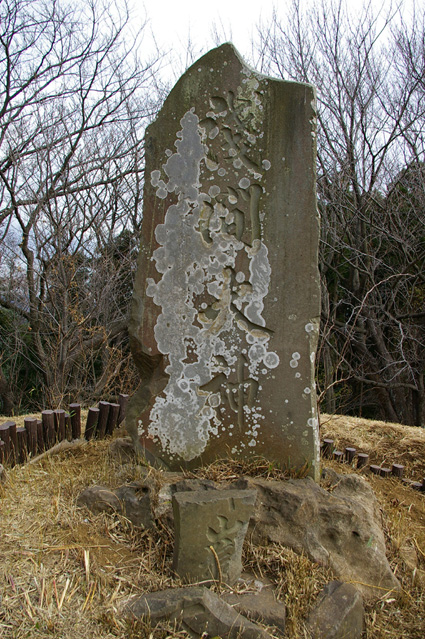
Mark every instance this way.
x=204 y=343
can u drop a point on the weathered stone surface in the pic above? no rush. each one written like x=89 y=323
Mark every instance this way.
x=175 y=483
x=136 y=501
x=163 y=604
x=409 y=556
x=259 y=606
x=210 y=528
x=122 y=450
x=225 y=313
x=99 y=499
x=190 y=485
x=131 y=500
x=3 y=474
x=218 y=619
x=197 y=610
x=338 y=614
x=340 y=529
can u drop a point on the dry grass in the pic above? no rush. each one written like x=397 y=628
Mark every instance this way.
x=65 y=572
x=403 y=512
x=386 y=443
x=297 y=581
x=403 y=518
x=230 y=470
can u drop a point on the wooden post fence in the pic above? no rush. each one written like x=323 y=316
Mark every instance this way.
x=38 y=435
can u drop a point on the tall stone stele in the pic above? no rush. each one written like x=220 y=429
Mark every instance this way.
x=225 y=313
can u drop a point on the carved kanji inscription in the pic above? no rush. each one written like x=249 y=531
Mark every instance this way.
x=210 y=529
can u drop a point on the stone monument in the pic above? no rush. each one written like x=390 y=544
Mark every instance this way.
x=210 y=527
x=225 y=313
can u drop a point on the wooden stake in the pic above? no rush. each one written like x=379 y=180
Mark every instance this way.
x=59 y=415
x=92 y=417
x=114 y=410
x=397 y=470
x=349 y=454
x=40 y=436
x=376 y=470
x=5 y=437
x=30 y=424
x=122 y=401
x=103 y=420
x=327 y=447
x=22 y=452
x=338 y=455
x=362 y=460
x=49 y=433
x=75 y=412
x=14 y=449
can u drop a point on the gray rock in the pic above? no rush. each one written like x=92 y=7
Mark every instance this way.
x=131 y=500
x=165 y=604
x=409 y=556
x=122 y=450
x=330 y=477
x=338 y=614
x=99 y=499
x=3 y=474
x=175 y=483
x=210 y=528
x=225 y=313
x=196 y=610
x=136 y=499
x=218 y=619
x=259 y=606
x=189 y=485
x=341 y=529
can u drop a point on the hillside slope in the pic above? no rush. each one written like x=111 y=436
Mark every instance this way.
x=65 y=572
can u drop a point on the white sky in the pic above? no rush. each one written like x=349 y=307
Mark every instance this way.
x=173 y=21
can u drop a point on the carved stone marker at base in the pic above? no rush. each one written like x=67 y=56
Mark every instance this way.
x=225 y=313
x=210 y=530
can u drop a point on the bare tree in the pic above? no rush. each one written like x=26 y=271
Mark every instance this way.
x=75 y=98
x=368 y=70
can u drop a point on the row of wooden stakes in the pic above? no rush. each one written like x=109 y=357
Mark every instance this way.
x=348 y=456
x=17 y=444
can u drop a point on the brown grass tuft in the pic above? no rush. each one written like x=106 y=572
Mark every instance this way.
x=230 y=469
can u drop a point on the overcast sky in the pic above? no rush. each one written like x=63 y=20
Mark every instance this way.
x=173 y=21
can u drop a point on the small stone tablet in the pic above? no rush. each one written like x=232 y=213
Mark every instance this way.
x=210 y=530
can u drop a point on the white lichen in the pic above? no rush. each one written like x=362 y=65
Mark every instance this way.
x=204 y=343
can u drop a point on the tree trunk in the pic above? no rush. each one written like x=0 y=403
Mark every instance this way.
x=419 y=402
x=329 y=371
x=6 y=397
